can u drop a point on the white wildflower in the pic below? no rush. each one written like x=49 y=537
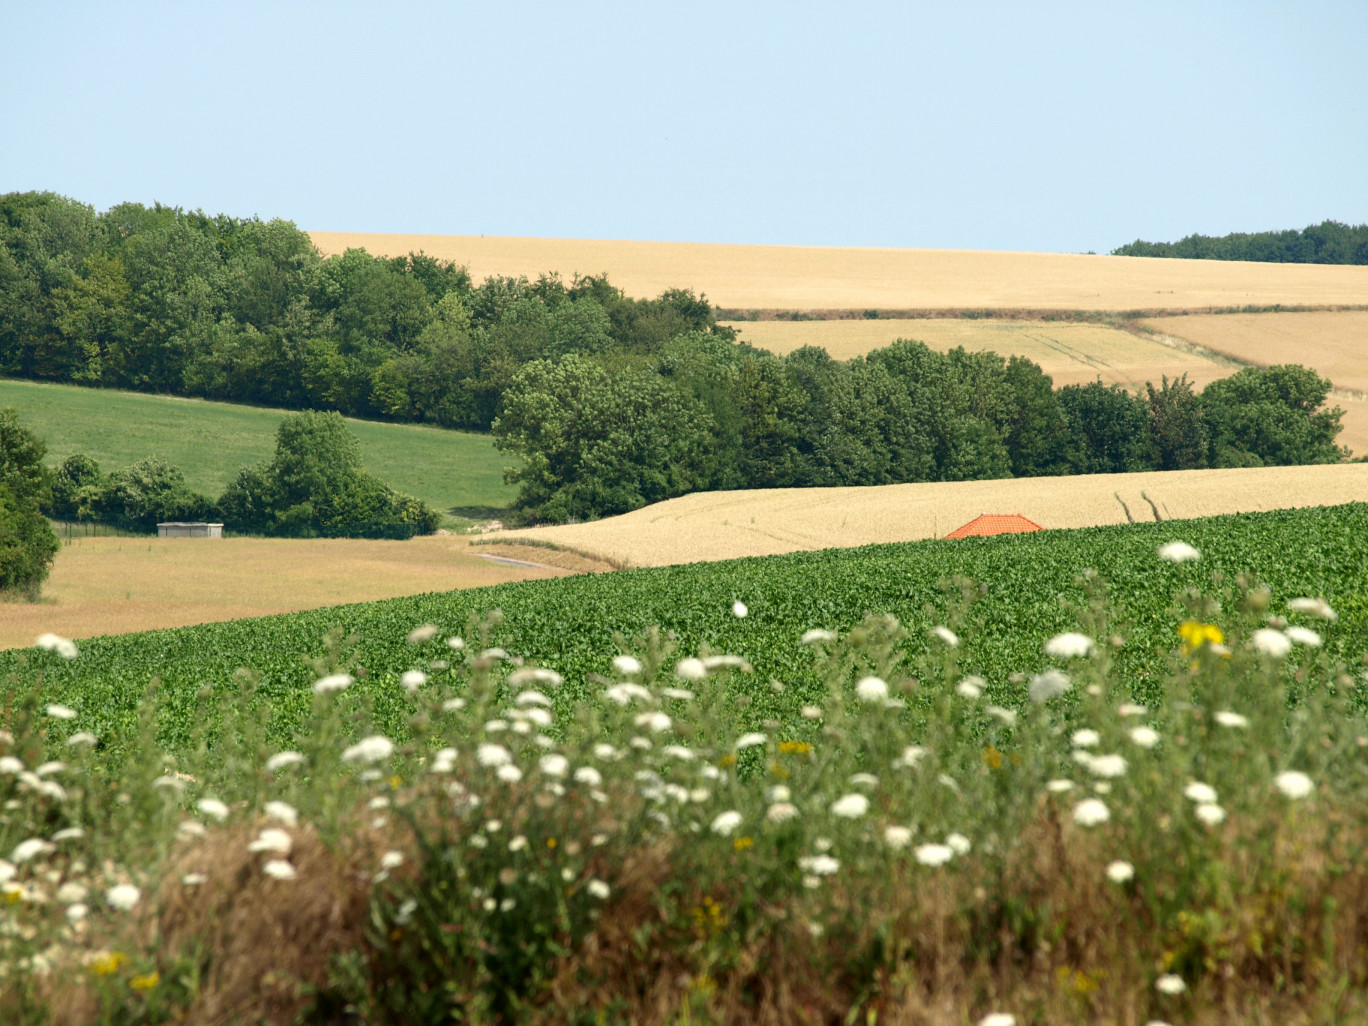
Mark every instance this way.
x=1048 y=685
x=71 y=892
x=493 y=755
x=64 y=647
x=750 y=740
x=780 y=812
x=47 y=769
x=1178 y=552
x=1294 y=784
x=213 y=808
x=946 y=635
x=970 y=687
x=933 y=854
x=998 y=1019
x=1059 y=786
x=777 y=793
x=426 y=632
x=1131 y=709
x=166 y=782
x=850 y=806
x=1007 y=717
x=1119 y=872
x=724 y=662
x=628 y=666
x=1091 y=812
x=1202 y=794
x=606 y=752
x=535 y=675
x=281 y=760
x=911 y=756
x=588 y=775
x=1271 y=643
x=509 y=774
x=598 y=889
x=726 y=822
x=655 y=722
x=1314 y=606
x=679 y=752
x=958 y=843
x=1170 y=984
x=61 y=712
x=272 y=839
x=871 y=689
x=369 y=750
x=816 y=634
x=1210 y=813
x=624 y=694
x=897 y=837
x=812 y=712
x=518 y=843
x=122 y=897
x=1085 y=738
x=864 y=780
x=190 y=829
x=32 y=848
x=1226 y=718
x=75 y=913
x=1302 y=636
x=532 y=697
x=9 y=765
x=690 y=669
x=1070 y=645
x=279 y=869
x=333 y=682
x=455 y=644
x=678 y=694
x=1145 y=737
x=453 y=705
x=412 y=680
x=739 y=609
x=819 y=865
x=554 y=764
x=282 y=812
x=82 y=737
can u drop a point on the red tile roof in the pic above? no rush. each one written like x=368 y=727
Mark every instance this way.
x=995 y=523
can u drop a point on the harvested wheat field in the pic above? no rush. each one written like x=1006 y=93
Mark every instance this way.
x=726 y=525
x=116 y=585
x=856 y=278
x=1072 y=353
x=1334 y=343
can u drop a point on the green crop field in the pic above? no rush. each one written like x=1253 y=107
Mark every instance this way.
x=209 y=441
x=1032 y=590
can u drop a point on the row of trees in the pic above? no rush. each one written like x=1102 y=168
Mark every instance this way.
x=605 y=436
x=314 y=486
x=1329 y=242
x=27 y=541
x=163 y=300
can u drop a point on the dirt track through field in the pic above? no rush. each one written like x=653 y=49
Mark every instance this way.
x=853 y=278
x=116 y=585
x=726 y=525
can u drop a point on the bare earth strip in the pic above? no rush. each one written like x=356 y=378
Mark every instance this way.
x=851 y=278
x=727 y=525
x=1071 y=353
x=115 y=585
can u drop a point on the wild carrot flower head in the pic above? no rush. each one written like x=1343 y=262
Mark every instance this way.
x=1178 y=552
x=279 y=869
x=690 y=669
x=282 y=812
x=369 y=750
x=333 y=682
x=815 y=635
x=213 y=808
x=1199 y=792
x=1145 y=737
x=1302 y=636
x=739 y=610
x=1271 y=643
x=1226 y=718
x=412 y=680
x=1294 y=784
x=946 y=636
x=726 y=822
x=933 y=854
x=61 y=712
x=1085 y=738
x=122 y=897
x=970 y=687
x=871 y=689
x=281 y=760
x=1069 y=646
x=1091 y=812
x=1314 y=606
x=64 y=647
x=628 y=666
x=850 y=806
x=1120 y=872
x=1048 y=685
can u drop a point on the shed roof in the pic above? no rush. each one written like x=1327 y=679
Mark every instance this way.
x=995 y=523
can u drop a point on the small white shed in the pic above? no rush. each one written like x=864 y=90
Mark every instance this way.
x=184 y=530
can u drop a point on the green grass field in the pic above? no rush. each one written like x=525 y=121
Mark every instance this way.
x=451 y=470
x=1032 y=590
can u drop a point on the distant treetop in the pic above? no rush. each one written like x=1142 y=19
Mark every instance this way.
x=1329 y=242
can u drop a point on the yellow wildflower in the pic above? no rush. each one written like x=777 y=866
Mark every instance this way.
x=1195 y=634
x=107 y=963
x=795 y=748
x=146 y=981
x=992 y=757
x=742 y=843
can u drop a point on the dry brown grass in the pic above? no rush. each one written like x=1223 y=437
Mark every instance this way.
x=727 y=525
x=1071 y=353
x=116 y=585
x=821 y=278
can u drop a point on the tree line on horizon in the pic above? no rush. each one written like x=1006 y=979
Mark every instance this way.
x=1329 y=242
x=607 y=403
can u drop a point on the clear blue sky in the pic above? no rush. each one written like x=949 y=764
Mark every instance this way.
x=1054 y=127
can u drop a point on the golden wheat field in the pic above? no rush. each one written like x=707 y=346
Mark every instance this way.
x=115 y=585
x=1072 y=353
x=855 y=278
x=727 y=525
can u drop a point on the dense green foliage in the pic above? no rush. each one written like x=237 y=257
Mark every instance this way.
x=210 y=441
x=1329 y=242
x=314 y=486
x=27 y=542
x=1031 y=589
x=163 y=300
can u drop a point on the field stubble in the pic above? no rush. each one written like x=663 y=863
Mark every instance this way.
x=847 y=277
x=763 y=522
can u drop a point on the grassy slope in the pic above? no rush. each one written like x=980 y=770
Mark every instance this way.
x=1032 y=589
x=209 y=441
